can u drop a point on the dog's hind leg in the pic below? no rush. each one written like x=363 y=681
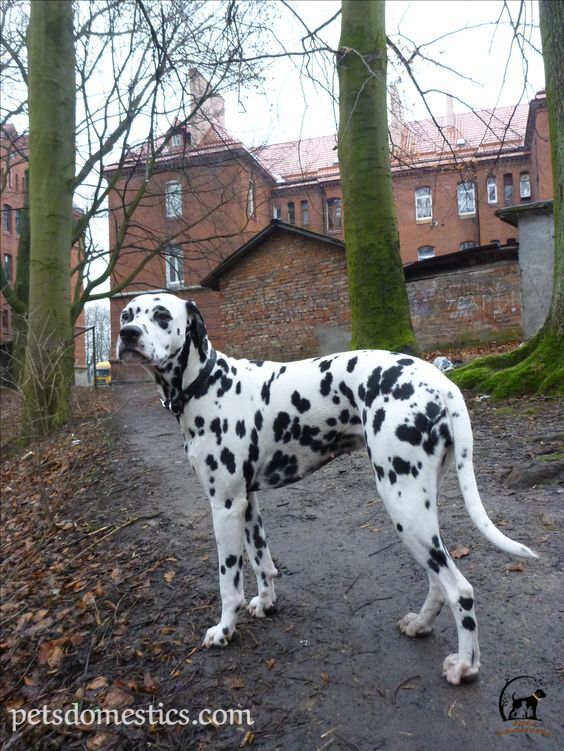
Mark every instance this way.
x=421 y=623
x=228 y=524
x=261 y=560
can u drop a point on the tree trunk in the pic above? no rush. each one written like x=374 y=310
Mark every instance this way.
x=538 y=366
x=379 y=305
x=51 y=91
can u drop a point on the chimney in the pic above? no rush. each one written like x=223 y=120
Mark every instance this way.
x=450 y=131
x=396 y=123
x=207 y=108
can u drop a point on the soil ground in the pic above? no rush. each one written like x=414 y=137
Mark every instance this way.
x=330 y=669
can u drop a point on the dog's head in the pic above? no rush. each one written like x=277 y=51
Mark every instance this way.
x=156 y=328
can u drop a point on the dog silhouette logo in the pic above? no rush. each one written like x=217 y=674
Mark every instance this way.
x=521 y=699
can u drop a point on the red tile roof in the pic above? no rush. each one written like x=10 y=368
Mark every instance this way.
x=294 y=159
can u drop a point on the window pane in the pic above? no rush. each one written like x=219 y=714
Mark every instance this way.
x=492 y=190
x=291 y=213
x=305 y=213
x=173 y=200
x=174 y=266
x=334 y=213
x=508 y=189
x=425 y=251
x=468 y=244
x=525 y=185
x=423 y=203
x=277 y=212
x=466 y=201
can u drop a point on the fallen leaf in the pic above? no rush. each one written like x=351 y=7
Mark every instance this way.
x=460 y=551
x=325 y=677
x=169 y=576
x=150 y=684
x=515 y=567
x=234 y=682
x=98 y=683
x=270 y=663
x=117 y=697
x=248 y=739
x=101 y=740
x=50 y=653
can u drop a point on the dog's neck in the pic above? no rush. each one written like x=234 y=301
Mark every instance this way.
x=188 y=376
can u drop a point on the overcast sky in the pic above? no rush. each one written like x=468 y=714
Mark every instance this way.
x=291 y=106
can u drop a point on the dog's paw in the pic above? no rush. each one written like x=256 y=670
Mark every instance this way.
x=456 y=670
x=259 y=607
x=411 y=625
x=218 y=636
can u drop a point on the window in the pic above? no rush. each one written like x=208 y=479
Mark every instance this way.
x=334 y=214
x=251 y=199
x=425 y=251
x=175 y=140
x=466 y=195
x=7 y=218
x=173 y=200
x=525 y=186
x=491 y=186
x=9 y=267
x=508 y=189
x=174 y=266
x=423 y=204
x=468 y=244
x=291 y=213
x=19 y=221
x=304 y=206
x=276 y=212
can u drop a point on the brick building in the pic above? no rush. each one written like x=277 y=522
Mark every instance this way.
x=207 y=194
x=13 y=166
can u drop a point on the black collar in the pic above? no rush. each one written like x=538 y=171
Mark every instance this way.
x=176 y=406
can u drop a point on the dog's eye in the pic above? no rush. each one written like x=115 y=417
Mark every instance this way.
x=126 y=316
x=163 y=315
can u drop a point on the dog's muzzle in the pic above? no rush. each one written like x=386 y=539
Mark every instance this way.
x=128 y=343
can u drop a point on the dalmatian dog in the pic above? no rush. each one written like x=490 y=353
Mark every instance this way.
x=250 y=425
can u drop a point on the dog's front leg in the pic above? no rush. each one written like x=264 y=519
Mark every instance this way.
x=228 y=523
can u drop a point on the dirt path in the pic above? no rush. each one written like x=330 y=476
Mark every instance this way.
x=330 y=669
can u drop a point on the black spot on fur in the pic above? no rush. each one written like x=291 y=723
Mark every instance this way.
x=399 y=528
x=438 y=556
x=280 y=425
x=325 y=386
x=302 y=405
x=468 y=623
x=324 y=365
x=228 y=459
x=240 y=428
x=406 y=361
x=401 y=466
x=372 y=386
x=392 y=477
x=435 y=541
x=238 y=387
x=222 y=569
x=236 y=579
x=228 y=503
x=215 y=427
x=389 y=378
x=409 y=434
x=379 y=471
x=466 y=602
x=427 y=504
x=248 y=513
x=346 y=391
x=258 y=420
x=230 y=561
x=211 y=462
x=405 y=391
x=351 y=364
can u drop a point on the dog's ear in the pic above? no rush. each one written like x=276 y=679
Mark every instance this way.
x=196 y=328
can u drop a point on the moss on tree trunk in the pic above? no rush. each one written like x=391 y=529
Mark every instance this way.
x=51 y=91
x=538 y=366
x=379 y=304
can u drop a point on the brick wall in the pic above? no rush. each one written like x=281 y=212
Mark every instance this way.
x=481 y=303
x=288 y=299
x=284 y=300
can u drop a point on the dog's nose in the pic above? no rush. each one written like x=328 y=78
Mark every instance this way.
x=130 y=334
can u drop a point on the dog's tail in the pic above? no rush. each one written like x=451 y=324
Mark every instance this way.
x=463 y=445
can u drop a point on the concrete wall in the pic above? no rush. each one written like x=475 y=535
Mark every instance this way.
x=536 y=258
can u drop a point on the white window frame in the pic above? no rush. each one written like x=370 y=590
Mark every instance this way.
x=425 y=251
x=173 y=199
x=491 y=190
x=525 y=185
x=251 y=199
x=174 y=266
x=277 y=212
x=468 y=245
x=291 y=212
x=336 y=205
x=466 y=199
x=304 y=211
x=424 y=204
